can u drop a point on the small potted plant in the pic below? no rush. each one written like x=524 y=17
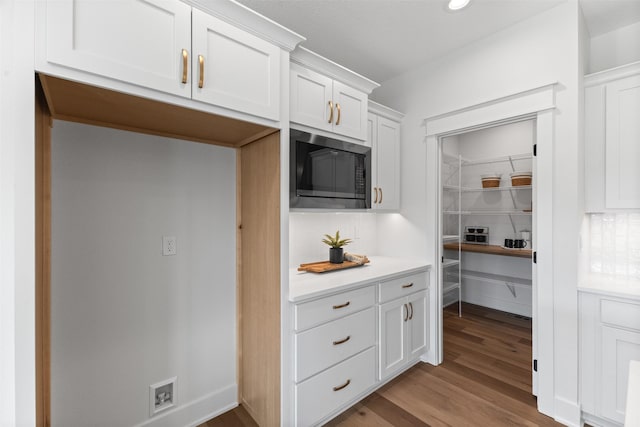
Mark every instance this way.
x=336 y=252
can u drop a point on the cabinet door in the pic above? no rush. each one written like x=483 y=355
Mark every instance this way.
x=622 y=152
x=393 y=320
x=234 y=69
x=311 y=93
x=386 y=153
x=135 y=41
x=418 y=330
x=350 y=111
x=619 y=346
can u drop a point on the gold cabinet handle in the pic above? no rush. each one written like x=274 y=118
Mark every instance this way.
x=185 y=65
x=340 y=387
x=342 y=341
x=201 y=78
x=406 y=312
x=330 y=112
x=375 y=191
x=346 y=304
x=380 y=195
x=408 y=285
x=338 y=119
x=411 y=307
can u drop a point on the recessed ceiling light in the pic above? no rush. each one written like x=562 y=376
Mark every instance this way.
x=458 y=4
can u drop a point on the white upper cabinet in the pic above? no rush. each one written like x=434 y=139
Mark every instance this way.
x=170 y=48
x=233 y=68
x=134 y=41
x=328 y=97
x=612 y=132
x=383 y=129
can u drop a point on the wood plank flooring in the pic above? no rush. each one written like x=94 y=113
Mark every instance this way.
x=485 y=380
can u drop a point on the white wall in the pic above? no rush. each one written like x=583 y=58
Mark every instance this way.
x=124 y=316
x=535 y=52
x=615 y=48
x=307 y=229
x=17 y=196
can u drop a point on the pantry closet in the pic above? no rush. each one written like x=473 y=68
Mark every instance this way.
x=487 y=221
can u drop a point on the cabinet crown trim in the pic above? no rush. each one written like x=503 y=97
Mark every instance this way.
x=384 y=111
x=250 y=21
x=322 y=65
x=612 y=74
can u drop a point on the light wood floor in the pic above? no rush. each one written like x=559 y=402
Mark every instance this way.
x=485 y=380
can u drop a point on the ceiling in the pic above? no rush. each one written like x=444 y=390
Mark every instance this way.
x=381 y=39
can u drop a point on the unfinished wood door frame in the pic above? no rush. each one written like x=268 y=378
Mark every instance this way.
x=262 y=396
x=43 y=257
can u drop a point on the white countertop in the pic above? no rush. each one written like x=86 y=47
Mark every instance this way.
x=632 y=415
x=604 y=284
x=304 y=285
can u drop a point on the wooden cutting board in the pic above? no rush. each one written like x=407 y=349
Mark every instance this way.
x=324 y=266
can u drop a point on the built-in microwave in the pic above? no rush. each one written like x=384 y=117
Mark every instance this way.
x=327 y=173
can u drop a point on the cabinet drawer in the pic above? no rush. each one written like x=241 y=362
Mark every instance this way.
x=328 y=344
x=326 y=392
x=396 y=288
x=623 y=314
x=323 y=310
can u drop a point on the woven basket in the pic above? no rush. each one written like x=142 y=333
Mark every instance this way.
x=520 y=178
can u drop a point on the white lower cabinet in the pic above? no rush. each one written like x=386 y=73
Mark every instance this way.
x=610 y=339
x=335 y=387
x=343 y=351
x=403 y=332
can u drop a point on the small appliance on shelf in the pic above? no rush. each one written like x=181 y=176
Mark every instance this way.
x=476 y=234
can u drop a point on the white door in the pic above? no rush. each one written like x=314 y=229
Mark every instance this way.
x=350 y=111
x=311 y=99
x=135 y=41
x=387 y=156
x=393 y=318
x=234 y=69
x=618 y=348
x=418 y=325
x=622 y=150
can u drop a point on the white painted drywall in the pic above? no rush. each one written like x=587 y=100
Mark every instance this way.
x=307 y=229
x=535 y=52
x=124 y=316
x=615 y=48
x=17 y=197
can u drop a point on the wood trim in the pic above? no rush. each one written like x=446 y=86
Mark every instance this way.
x=239 y=294
x=489 y=249
x=260 y=275
x=81 y=103
x=43 y=258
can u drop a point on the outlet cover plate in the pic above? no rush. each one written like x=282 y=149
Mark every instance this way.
x=169 y=245
x=167 y=387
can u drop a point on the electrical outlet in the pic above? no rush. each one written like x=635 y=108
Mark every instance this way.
x=163 y=395
x=169 y=245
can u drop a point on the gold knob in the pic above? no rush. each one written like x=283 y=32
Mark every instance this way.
x=201 y=79
x=185 y=65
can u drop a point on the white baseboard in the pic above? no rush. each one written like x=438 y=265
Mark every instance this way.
x=197 y=411
x=567 y=412
x=598 y=422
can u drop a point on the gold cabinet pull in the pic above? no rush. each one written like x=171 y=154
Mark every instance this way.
x=338 y=119
x=201 y=78
x=342 y=341
x=346 y=304
x=185 y=65
x=411 y=307
x=406 y=312
x=408 y=285
x=340 y=387
x=380 y=195
x=330 y=112
x=375 y=190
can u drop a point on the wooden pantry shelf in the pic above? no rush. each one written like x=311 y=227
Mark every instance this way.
x=489 y=249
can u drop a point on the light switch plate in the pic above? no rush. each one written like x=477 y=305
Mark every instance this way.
x=169 y=245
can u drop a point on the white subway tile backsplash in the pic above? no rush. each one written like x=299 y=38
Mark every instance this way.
x=614 y=244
